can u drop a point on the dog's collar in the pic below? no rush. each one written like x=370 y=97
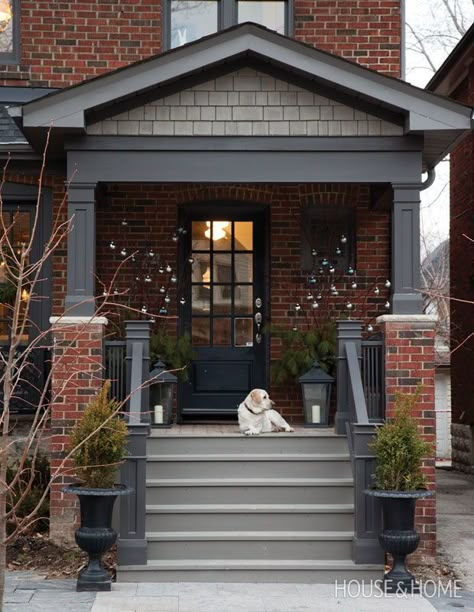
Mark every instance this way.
x=250 y=409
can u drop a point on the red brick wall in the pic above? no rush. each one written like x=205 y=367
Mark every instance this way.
x=77 y=375
x=409 y=360
x=462 y=267
x=152 y=211
x=66 y=42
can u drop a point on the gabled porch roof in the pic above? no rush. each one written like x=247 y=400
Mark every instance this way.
x=440 y=121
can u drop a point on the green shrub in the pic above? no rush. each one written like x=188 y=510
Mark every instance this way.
x=99 y=441
x=176 y=353
x=400 y=449
x=41 y=477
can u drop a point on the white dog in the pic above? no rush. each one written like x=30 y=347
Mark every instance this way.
x=257 y=416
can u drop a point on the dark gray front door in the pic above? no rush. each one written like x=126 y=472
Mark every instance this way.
x=226 y=308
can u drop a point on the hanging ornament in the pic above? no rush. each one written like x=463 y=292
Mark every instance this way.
x=116 y=291
x=144 y=308
x=295 y=328
x=319 y=297
x=314 y=252
x=151 y=253
x=174 y=237
x=314 y=305
x=173 y=278
x=112 y=245
x=191 y=260
x=104 y=293
x=124 y=222
x=370 y=329
x=325 y=262
x=388 y=284
x=338 y=251
x=332 y=269
x=387 y=305
x=168 y=268
x=137 y=278
x=310 y=297
x=376 y=291
x=167 y=299
x=182 y=301
x=350 y=271
x=350 y=306
x=147 y=278
x=162 y=289
x=133 y=259
x=332 y=287
x=321 y=271
x=312 y=280
x=123 y=252
x=163 y=311
x=297 y=307
x=343 y=239
x=354 y=285
x=182 y=231
x=161 y=270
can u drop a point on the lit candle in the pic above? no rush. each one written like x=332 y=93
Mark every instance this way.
x=316 y=413
x=158 y=414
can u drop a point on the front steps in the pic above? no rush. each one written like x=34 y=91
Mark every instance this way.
x=230 y=508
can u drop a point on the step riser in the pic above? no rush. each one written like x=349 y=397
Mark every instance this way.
x=250 y=522
x=253 y=549
x=174 y=445
x=249 y=469
x=223 y=575
x=250 y=495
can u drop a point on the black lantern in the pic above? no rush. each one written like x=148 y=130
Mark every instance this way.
x=161 y=395
x=316 y=390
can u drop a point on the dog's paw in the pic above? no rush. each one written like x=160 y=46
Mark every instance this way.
x=252 y=432
x=289 y=429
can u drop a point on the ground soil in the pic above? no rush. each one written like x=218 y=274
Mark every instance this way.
x=37 y=553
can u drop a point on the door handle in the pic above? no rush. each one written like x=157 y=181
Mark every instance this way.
x=258 y=318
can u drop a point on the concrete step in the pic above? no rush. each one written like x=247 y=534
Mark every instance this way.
x=245 y=570
x=249 y=545
x=268 y=465
x=246 y=491
x=250 y=517
x=160 y=443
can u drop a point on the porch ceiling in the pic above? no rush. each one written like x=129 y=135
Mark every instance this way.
x=440 y=121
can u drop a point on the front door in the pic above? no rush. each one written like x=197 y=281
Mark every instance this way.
x=224 y=255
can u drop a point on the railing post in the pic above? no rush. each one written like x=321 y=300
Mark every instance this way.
x=347 y=331
x=368 y=518
x=132 y=544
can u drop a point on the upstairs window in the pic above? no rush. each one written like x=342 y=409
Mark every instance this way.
x=9 y=31
x=188 y=20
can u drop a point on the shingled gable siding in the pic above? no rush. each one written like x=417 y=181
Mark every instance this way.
x=245 y=103
x=67 y=42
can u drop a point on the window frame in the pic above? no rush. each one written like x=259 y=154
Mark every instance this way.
x=227 y=15
x=13 y=57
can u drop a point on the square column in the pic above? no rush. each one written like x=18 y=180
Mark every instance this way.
x=406 y=265
x=81 y=250
x=409 y=360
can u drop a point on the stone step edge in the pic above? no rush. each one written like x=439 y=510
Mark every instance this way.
x=237 y=435
x=240 y=457
x=248 y=508
x=245 y=564
x=250 y=482
x=218 y=536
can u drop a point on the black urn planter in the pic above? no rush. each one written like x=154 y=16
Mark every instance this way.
x=95 y=536
x=399 y=536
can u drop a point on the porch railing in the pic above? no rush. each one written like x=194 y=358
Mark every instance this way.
x=27 y=393
x=115 y=367
x=373 y=378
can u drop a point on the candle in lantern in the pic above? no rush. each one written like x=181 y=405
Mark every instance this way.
x=158 y=414
x=316 y=413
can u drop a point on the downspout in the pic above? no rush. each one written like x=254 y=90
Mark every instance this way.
x=403 y=59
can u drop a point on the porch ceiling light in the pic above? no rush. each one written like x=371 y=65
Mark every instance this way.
x=217 y=229
x=5 y=14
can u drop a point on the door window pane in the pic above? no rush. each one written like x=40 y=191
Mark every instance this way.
x=243 y=299
x=201 y=268
x=243 y=331
x=200 y=237
x=222 y=268
x=200 y=299
x=267 y=13
x=243 y=235
x=192 y=19
x=201 y=331
x=222 y=334
x=222 y=295
x=221 y=235
x=243 y=268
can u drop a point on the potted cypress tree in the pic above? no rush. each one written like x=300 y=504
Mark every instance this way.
x=399 y=482
x=98 y=443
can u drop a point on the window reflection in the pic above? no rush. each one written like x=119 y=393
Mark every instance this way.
x=6 y=26
x=192 y=19
x=267 y=13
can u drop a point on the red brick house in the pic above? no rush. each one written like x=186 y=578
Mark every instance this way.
x=455 y=79
x=233 y=151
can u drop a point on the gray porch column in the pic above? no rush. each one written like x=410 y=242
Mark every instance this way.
x=81 y=250
x=347 y=331
x=406 y=250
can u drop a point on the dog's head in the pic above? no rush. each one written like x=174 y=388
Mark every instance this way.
x=259 y=401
